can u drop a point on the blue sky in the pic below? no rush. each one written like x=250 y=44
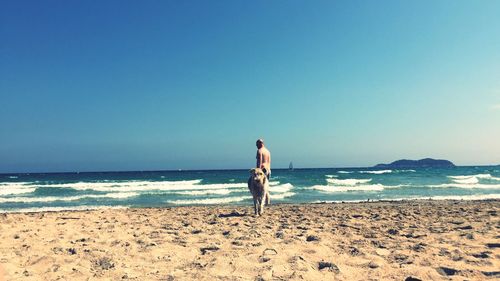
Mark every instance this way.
x=141 y=85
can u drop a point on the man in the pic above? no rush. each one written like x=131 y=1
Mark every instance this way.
x=263 y=158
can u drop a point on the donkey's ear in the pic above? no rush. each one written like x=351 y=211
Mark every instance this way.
x=251 y=171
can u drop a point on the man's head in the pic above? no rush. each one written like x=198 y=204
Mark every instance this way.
x=259 y=143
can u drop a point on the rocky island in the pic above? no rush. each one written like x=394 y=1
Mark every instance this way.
x=422 y=163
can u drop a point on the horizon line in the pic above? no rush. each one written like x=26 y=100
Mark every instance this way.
x=208 y=170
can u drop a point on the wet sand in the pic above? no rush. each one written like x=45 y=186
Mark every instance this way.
x=424 y=240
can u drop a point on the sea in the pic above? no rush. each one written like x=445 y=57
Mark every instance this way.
x=36 y=192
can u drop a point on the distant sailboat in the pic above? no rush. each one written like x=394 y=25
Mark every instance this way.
x=290 y=167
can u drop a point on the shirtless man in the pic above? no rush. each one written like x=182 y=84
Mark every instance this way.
x=263 y=158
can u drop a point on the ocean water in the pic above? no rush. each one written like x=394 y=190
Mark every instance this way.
x=76 y=191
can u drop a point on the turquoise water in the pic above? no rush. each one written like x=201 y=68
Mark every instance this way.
x=67 y=191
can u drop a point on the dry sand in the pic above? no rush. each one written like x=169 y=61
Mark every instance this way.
x=426 y=240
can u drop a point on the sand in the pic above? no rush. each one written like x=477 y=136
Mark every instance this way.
x=424 y=240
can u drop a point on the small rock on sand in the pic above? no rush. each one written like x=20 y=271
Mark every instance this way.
x=237 y=243
x=446 y=271
x=491 y=273
x=263 y=259
x=323 y=265
x=353 y=251
x=311 y=238
x=493 y=245
x=373 y=265
x=204 y=250
x=392 y=231
x=482 y=255
x=105 y=263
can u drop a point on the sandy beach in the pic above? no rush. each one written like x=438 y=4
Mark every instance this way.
x=423 y=240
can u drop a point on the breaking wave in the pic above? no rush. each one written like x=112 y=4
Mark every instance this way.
x=146 y=186
x=376 y=172
x=473 y=178
x=438 y=197
x=119 y=195
x=466 y=185
x=347 y=181
x=470 y=181
x=281 y=188
x=281 y=195
x=333 y=188
x=12 y=188
x=210 y=201
x=206 y=192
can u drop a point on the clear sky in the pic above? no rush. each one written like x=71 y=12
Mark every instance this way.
x=141 y=85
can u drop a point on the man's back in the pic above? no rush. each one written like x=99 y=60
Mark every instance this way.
x=264 y=159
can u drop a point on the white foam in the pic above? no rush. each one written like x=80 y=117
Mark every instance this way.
x=466 y=185
x=330 y=188
x=210 y=201
x=119 y=195
x=281 y=188
x=460 y=177
x=59 y=209
x=439 y=197
x=347 y=181
x=466 y=197
x=471 y=177
x=206 y=186
x=147 y=186
x=485 y=176
x=376 y=172
x=206 y=192
x=397 y=186
x=405 y=171
x=330 y=176
x=13 y=177
x=15 y=183
x=13 y=191
x=125 y=183
x=11 y=188
x=471 y=180
x=282 y=195
x=345 y=172
x=271 y=183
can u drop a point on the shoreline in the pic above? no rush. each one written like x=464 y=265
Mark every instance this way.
x=428 y=240
x=83 y=208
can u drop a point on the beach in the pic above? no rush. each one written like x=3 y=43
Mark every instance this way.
x=420 y=239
